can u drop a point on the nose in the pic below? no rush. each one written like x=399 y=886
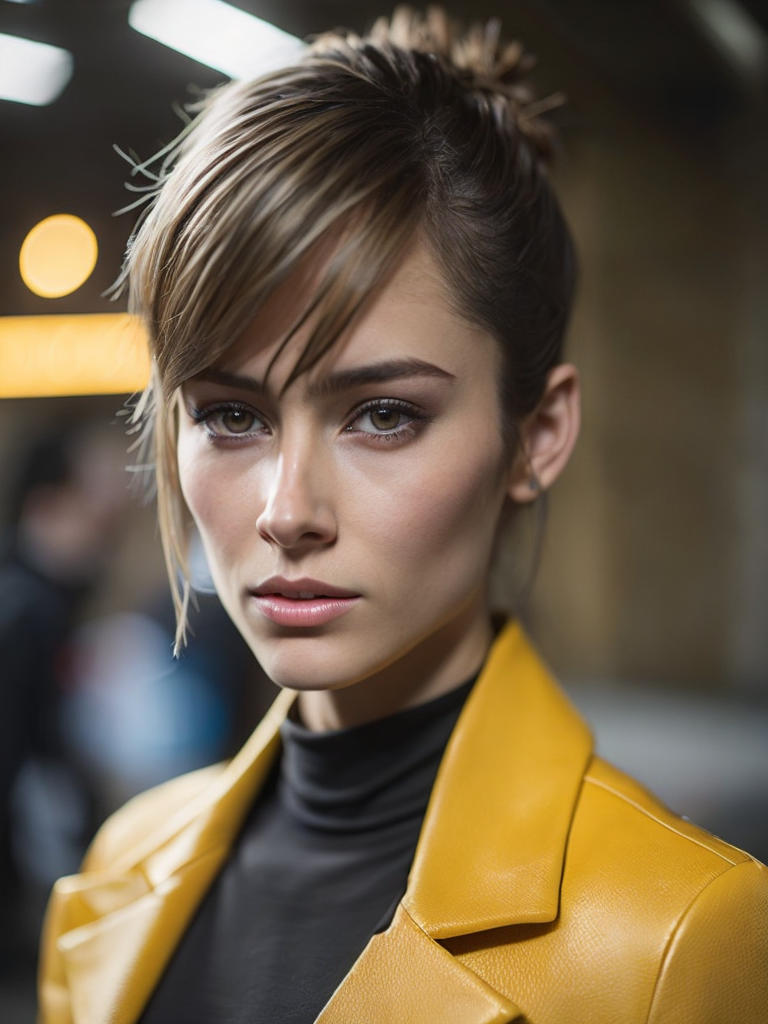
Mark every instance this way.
x=298 y=509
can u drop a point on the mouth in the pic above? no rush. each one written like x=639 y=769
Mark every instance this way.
x=301 y=590
x=302 y=603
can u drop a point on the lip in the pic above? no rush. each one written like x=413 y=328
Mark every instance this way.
x=280 y=600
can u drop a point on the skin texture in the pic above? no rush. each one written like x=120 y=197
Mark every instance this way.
x=391 y=489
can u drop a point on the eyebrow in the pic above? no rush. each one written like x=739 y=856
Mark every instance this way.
x=338 y=382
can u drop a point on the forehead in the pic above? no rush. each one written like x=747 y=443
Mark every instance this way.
x=412 y=316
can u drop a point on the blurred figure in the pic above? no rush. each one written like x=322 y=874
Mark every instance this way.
x=136 y=716
x=65 y=511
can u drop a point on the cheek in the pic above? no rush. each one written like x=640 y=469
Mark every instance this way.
x=207 y=489
x=193 y=478
x=459 y=505
x=442 y=508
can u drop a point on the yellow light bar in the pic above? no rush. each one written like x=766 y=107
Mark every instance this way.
x=79 y=354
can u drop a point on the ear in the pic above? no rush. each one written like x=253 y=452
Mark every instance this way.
x=547 y=436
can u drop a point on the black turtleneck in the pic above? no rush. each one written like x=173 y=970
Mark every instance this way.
x=319 y=867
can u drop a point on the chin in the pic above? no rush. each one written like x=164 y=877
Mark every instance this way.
x=306 y=662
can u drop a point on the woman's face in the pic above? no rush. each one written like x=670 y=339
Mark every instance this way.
x=349 y=521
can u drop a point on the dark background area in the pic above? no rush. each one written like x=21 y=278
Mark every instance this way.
x=652 y=599
x=653 y=54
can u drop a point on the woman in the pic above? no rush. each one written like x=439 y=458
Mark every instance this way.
x=356 y=279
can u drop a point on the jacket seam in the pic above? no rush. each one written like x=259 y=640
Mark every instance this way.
x=676 y=930
x=664 y=824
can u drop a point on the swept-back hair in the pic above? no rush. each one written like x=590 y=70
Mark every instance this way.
x=366 y=140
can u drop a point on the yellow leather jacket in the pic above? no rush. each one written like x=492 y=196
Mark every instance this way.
x=547 y=887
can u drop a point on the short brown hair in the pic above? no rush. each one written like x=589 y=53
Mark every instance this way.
x=366 y=140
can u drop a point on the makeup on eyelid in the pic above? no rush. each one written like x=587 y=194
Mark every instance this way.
x=382 y=470
x=212 y=419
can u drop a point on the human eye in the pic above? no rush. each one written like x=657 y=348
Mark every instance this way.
x=386 y=419
x=229 y=421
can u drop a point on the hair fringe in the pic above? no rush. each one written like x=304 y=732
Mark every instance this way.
x=252 y=189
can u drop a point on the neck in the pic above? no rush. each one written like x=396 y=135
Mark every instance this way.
x=437 y=665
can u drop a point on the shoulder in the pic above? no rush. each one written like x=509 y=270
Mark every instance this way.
x=690 y=907
x=625 y=833
x=658 y=922
x=609 y=794
x=612 y=799
x=144 y=814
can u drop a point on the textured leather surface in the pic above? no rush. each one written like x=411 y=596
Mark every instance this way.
x=547 y=887
x=492 y=847
x=726 y=923
x=635 y=881
x=404 y=976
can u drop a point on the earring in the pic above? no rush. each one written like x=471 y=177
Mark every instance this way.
x=534 y=485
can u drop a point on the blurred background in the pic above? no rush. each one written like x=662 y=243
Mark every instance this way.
x=651 y=601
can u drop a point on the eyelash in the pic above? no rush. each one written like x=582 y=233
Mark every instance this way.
x=416 y=418
x=206 y=417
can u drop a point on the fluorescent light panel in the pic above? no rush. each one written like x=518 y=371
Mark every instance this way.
x=32 y=72
x=737 y=34
x=216 y=34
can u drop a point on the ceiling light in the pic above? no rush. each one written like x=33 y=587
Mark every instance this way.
x=32 y=72
x=58 y=255
x=217 y=34
x=738 y=36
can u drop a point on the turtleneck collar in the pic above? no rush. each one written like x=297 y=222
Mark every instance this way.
x=370 y=776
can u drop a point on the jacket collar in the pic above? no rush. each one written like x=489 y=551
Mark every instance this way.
x=490 y=854
x=491 y=850
x=507 y=786
x=118 y=927
x=404 y=975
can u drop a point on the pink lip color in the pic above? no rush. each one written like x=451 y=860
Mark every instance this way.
x=293 y=611
x=280 y=600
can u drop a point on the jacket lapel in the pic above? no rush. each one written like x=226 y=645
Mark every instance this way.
x=112 y=965
x=490 y=854
x=404 y=977
x=119 y=928
x=491 y=849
